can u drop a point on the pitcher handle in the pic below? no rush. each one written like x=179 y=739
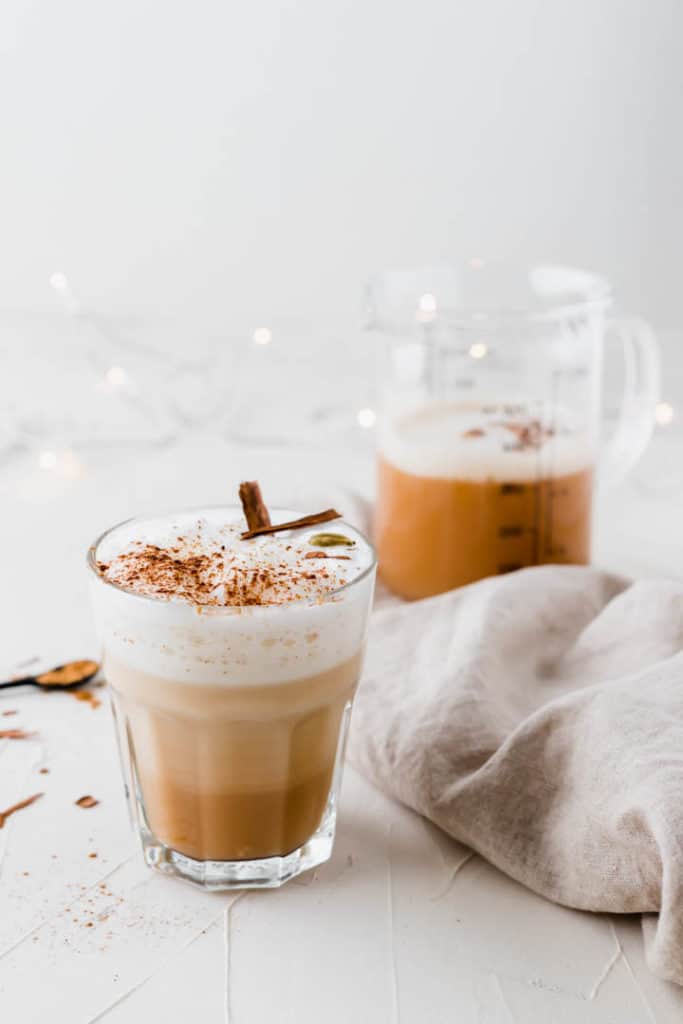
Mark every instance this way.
x=641 y=394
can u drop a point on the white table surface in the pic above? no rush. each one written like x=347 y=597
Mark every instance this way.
x=402 y=925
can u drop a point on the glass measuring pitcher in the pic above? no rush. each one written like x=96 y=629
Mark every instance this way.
x=490 y=443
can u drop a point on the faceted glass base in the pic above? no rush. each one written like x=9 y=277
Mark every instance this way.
x=261 y=873
x=268 y=873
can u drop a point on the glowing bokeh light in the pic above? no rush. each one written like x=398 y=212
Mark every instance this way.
x=367 y=418
x=664 y=413
x=428 y=303
x=478 y=350
x=115 y=377
x=262 y=336
x=59 y=281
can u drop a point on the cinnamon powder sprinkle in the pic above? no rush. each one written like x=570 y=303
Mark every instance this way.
x=6 y=714
x=207 y=573
x=528 y=434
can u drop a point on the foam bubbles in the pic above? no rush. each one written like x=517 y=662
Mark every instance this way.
x=478 y=442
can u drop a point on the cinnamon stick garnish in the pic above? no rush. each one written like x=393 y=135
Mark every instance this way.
x=4 y=815
x=255 y=511
x=15 y=734
x=293 y=524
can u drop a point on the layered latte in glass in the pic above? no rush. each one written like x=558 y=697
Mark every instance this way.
x=233 y=664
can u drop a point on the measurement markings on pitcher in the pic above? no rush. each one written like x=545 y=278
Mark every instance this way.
x=512 y=530
x=509 y=488
x=517 y=528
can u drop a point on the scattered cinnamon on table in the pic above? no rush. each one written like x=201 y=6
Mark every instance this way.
x=88 y=697
x=6 y=714
x=4 y=815
x=87 y=801
x=15 y=734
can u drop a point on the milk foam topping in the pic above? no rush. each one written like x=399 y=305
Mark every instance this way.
x=184 y=597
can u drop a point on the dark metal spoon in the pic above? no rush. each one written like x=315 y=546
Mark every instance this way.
x=63 y=677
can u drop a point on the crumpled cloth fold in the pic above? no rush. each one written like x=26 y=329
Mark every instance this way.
x=538 y=718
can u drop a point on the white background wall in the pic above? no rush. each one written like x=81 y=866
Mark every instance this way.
x=259 y=159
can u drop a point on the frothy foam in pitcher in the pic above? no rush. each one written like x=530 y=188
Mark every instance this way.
x=493 y=441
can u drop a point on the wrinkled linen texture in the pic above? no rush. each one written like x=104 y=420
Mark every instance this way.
x=538 y=718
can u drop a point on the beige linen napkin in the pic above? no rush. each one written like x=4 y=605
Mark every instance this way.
x=538 y=718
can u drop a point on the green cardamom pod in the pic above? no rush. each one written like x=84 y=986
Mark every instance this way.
x=330 y=540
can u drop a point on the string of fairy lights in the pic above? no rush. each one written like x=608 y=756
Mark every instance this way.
x=65 y=462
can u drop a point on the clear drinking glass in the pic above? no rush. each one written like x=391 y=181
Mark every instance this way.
x=490 y=435
x=232 y=749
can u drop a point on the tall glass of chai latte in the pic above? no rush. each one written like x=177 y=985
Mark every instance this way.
x=233 y=665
